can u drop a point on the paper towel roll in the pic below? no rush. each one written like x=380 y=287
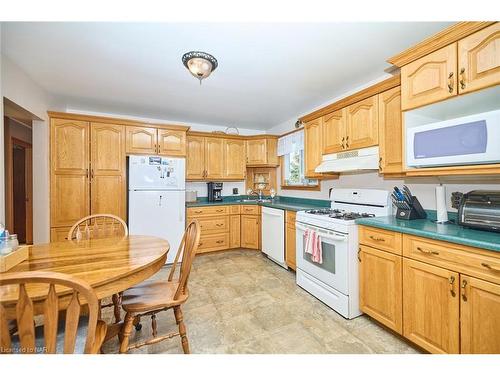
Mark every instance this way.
x=442 y=213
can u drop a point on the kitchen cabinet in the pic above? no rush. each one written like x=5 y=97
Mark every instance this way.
x=234 y=159
x=380 y=286
x=479 y=60
x=430 y=79
x=250 y=231
x=290 y=238
x=214 y=158
x=195 y=160
x=262 y=151
x=362 y=124
x=479 y=316
x=390 y=129
x=312 y=147
x=171 y=142
x=149 y=141
x=234 y=231
x=334 y=131
x=431 y=307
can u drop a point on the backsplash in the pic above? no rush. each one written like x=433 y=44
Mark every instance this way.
x=227 y=187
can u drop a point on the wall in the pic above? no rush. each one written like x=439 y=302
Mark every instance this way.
x=21 y=132
x=2 y=142
x=423 y=188
x=227 y=187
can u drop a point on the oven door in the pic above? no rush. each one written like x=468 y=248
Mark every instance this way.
x=333 y=271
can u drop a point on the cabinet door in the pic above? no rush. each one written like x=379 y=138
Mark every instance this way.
x=380 y=287
x=390 y=130
x=272 y=152
x=234 y=231
x=312 y=147
x=290 y=255
x=195 y=160
x=250 y=231
x=362 y=124
x=429 y=79
x=431 y=307
x=59 y=234
x=234 y=159
x=171 y=142
x=256 y=152
x=479 y=60
x=480 y=316
x=334 y=131
x=214 y=158
x=141 y=140
x=69 y=187
x=108 y=166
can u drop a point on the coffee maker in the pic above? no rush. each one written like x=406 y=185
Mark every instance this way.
x=214 y=191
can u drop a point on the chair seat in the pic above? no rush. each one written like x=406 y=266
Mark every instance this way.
x=152 y=295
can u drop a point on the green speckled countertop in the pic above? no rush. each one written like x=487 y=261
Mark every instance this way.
x=283 y=203
x=444 y=232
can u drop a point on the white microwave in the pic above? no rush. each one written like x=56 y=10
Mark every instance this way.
x=473 y=139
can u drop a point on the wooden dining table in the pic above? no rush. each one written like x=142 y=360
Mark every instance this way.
x=108 y=265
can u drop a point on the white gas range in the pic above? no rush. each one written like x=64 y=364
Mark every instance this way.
x=335 y=280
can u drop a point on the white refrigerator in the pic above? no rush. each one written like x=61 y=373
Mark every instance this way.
x=156 y=193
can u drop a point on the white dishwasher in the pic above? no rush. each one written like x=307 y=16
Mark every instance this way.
x=273 y=234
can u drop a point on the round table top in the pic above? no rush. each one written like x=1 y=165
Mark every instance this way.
x=109 y=265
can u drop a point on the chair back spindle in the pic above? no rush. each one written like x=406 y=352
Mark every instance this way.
x=98 y=226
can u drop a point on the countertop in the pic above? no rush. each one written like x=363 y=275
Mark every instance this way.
x=283 y=203
x=445 y=232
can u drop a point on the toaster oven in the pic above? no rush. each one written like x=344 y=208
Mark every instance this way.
x=480 y=209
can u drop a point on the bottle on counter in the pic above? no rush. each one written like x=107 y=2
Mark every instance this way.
x=13 y=242
x=4 y=241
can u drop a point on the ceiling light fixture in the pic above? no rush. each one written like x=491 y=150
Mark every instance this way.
x=199 y=64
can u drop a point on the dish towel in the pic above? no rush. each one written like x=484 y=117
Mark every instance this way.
x=313 y=246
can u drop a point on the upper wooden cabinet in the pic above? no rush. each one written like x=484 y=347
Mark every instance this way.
x=362 y=124
x=313 y=147
x=147 y=141
x=479 y=60
x=334 y=131
x=195 y=160
x=430 y=79
x=214 y=158
x=262 y=152
x=390 y=130
x=234 y=159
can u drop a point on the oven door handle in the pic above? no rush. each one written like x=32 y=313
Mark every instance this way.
x=323 y=234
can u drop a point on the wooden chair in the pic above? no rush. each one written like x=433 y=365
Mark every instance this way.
x=101 y=226
x=152 y=297
x=74 y=334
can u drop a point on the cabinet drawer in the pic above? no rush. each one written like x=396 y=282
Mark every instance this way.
x=234 y=210
x=250 y=210
x=380 y=239
x=213 y=242
x=467 y=260
x=214 y=224
x=207 y=211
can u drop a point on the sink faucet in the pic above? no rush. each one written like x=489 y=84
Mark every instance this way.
x=259 y=194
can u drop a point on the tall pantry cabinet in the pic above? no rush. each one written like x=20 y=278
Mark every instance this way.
x=88 y=172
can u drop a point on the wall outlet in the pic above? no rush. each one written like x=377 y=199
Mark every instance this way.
x=235 y=191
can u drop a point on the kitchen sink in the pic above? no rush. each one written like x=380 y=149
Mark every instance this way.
x=254 y=200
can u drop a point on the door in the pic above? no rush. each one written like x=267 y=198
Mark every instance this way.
x=390 y=130
x=214 y=158
x=160 y=214
x=380 y=287
x=256 y=152
x=362 y=124
x=234 y=231
x=250 y=228
x=234 y=159
x=69 y=188
x=429 y=79
x=334 y=131
x=141 y=140
x=171 y=142
x=479 y=59
x=333 y=270
x=108 y=169
x=431 y=307
x=480 y=316
x=312 y=147
x=21 y=191
x=273 y=233
x=195 y=169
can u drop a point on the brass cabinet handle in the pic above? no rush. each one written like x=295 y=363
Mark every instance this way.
x=450 y=82
x=92 y=174
x=462 y=78
x=219 y=211
x=464 y=295
x=429 y=252
x=343 y=139
x=219 y=225
x=378 y=239
x=452 y=286
x=490 y=267
x=87 y=172
x=159 y=148
x=359 y=255
x=200 y=244
x=219 y=241
x=198 y=212
x=380 y=163
x=347 y=142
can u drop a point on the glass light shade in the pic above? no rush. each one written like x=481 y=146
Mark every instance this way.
x=199 y=67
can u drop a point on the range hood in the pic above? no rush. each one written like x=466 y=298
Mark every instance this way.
x=355 y=160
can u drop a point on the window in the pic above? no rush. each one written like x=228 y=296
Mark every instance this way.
x=291 y=151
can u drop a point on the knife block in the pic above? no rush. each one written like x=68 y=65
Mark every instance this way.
x=415 y=212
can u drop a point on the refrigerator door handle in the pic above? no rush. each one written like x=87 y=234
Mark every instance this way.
x=159 y=204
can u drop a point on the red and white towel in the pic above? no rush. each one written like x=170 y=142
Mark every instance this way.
x=313 y=246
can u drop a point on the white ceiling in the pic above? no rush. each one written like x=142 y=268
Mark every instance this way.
x=267 y=73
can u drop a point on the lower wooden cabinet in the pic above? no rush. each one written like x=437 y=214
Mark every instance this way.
x=380 y=287
x=250 y=231
x=479 y=316
x=234 y=231
x=431 y=307
x=59 y=234
x=290 y=237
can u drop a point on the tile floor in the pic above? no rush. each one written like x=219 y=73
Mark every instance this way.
x=241 y=302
